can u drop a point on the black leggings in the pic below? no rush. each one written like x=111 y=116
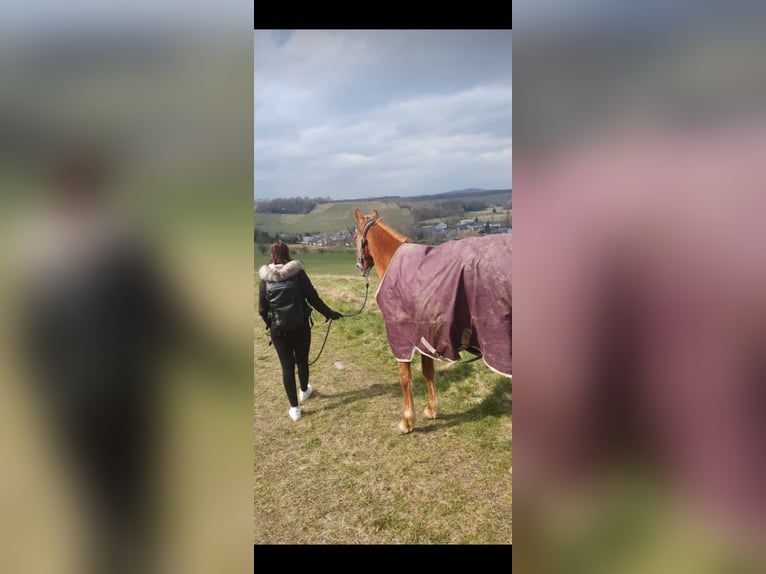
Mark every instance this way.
x=293 y=350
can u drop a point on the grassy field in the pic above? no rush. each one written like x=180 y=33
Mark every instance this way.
x=487 y=215
x=328 y=217
x=319 y=261
x=342 y=474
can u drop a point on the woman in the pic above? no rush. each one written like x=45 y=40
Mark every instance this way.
x=282 y=295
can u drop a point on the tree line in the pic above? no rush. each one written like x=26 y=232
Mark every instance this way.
x=444 y=209
x=290 y=204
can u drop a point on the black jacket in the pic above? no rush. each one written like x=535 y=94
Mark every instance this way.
x=272 y=272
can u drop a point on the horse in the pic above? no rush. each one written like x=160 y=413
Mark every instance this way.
x=438 y=300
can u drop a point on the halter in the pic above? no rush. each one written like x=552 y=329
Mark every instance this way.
x=362 y=245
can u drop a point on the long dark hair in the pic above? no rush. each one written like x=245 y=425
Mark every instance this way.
x=280 y=252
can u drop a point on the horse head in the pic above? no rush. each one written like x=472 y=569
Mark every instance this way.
x=364 y=261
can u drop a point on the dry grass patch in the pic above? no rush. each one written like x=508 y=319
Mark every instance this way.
x=343 y=475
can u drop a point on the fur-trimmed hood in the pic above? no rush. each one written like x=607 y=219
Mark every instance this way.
x=274 y=272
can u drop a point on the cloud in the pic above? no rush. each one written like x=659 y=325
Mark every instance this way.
x=400 y=112
x=352 y=159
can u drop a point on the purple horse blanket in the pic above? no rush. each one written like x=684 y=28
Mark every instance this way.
x=443 y=299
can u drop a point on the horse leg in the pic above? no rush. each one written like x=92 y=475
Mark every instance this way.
x=427 y=363
x=405 y=377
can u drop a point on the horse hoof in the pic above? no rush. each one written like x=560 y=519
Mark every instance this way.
x=404 y=427
x=429 y=414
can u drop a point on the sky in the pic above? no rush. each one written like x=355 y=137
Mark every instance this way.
x=353 y=114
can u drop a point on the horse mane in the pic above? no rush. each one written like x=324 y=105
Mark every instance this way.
x=391 y=231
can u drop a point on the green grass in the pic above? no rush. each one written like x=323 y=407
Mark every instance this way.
x=328 y=217
x=326 y=262
x=488 y=215
x=342 y=474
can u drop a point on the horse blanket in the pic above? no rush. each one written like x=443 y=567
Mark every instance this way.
x=457 y=295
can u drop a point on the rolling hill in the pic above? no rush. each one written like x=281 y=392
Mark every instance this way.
x=339 y=215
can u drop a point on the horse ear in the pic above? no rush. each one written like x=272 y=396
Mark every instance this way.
x=358 y=216
x=374 y=213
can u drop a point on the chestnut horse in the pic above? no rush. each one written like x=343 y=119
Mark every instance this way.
x=473 y=312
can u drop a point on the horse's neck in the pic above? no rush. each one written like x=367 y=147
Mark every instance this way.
x=382 y=247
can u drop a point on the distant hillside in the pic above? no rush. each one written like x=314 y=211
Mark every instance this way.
x=407 y=214
x=457 y=192
x=329 y=217
x=465 y=194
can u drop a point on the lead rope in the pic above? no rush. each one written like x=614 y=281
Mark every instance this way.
x=329 y=324
x=354 y=314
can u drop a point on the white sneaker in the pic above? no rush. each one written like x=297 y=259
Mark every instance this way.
x=295 y=413
x=305 y=394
